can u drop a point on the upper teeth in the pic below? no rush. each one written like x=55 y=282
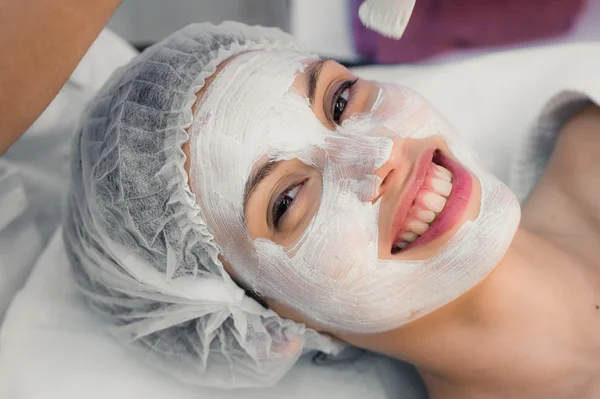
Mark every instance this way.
x=432 y=202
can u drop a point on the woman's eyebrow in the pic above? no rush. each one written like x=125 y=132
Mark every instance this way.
x=314 y=70
x=258 y=176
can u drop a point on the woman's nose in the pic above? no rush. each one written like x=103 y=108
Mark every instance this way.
x=404 y=156
x=396 y=161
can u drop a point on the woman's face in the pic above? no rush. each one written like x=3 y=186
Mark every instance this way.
x=348 y=205
x=281 y=206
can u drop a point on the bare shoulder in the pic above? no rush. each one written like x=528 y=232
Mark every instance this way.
x=577 y=155
x=583 y=128
x=575 y=163
x=566 y=200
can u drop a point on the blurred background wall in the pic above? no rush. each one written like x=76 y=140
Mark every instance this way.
x=143 y=22
x=438 y=29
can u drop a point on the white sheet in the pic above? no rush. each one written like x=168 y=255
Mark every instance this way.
x=21 y=241
x=52 y=347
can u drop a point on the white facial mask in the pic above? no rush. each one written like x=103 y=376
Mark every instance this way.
x=332 y=273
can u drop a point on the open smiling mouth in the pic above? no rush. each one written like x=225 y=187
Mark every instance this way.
x=438 y=197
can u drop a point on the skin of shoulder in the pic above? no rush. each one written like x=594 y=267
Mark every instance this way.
x=566 y=200
x=577 y=162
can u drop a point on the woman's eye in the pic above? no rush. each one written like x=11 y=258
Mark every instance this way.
x=283 y=203
x=340 y=105
x=340 y=100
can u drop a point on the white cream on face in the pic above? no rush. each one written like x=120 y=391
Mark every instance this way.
x=332 y=273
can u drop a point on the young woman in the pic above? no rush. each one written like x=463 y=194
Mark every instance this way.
x=230 y=189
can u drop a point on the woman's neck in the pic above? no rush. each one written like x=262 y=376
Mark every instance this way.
x=530 y=329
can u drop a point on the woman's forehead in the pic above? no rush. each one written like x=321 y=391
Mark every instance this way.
x=260 y=80
x=303 y=74
x=248 y=104
x=209 y=80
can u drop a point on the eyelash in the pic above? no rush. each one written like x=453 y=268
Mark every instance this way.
x=278 y=214
x=347 y=85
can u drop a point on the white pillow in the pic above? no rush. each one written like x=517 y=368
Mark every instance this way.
x=20 y=238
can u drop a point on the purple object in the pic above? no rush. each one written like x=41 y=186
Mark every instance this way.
x=438 y=26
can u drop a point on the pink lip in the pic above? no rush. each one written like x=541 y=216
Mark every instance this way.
x=456 y=205
x=410 y=192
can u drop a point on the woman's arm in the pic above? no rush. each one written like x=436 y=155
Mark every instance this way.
x=41 y=43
